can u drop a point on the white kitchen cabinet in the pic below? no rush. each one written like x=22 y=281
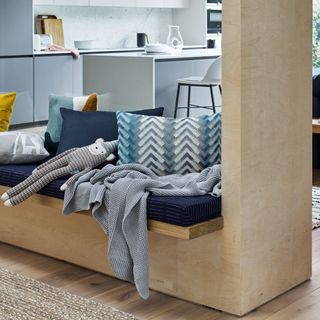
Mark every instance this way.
x=101 y=3
x=62 y=2
x=152 y=3
x=149 y=3
x=118 y=3
x=61 y=75
x=124 y=3
x=43 y=2
x=16 y=75
x=72 y=2
x=175 y=3
x=192 y=33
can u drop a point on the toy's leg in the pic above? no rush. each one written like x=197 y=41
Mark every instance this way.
x=74 y=178
x=36 y=186
x=33 y=178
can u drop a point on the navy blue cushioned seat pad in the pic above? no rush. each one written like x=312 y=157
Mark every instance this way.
x=12 y=174
x=181 y=211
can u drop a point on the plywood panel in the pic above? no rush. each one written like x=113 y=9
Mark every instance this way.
x=264 y=248
x=267 y=143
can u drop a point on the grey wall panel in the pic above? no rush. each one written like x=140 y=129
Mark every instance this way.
x=16 y=27
x=53 y=75
x=16 y=74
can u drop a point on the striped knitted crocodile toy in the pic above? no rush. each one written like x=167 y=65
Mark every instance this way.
x=76 y=161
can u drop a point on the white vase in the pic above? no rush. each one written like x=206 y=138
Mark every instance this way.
x=174 y=39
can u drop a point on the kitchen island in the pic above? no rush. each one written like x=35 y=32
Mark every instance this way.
x=135 y=80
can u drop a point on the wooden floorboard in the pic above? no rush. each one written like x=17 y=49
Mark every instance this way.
x=300 y=303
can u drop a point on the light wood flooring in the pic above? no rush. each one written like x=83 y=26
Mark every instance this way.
x=301 y=303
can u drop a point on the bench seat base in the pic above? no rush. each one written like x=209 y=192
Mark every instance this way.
x=199 y=271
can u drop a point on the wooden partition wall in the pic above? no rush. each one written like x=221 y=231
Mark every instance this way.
x=264 y=248
x=267 y=171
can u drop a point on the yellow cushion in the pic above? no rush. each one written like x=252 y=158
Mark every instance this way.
x=6 y=107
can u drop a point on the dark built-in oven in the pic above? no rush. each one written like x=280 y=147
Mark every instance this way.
x=214 y=18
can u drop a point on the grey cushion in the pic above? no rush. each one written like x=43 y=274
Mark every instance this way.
x=21 y=147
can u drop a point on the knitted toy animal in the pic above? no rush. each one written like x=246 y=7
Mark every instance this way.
x=76 y=161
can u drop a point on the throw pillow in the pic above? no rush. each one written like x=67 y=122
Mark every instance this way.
x=167 y=145
x=6 y=107
x=81 y=129
x=52 y=135
x=21 y=147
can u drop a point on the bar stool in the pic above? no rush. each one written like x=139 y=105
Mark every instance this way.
x=211 y=79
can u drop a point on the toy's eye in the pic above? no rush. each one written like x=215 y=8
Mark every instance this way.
x=96 y=148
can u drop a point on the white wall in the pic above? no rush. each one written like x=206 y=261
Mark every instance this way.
x=110 y=27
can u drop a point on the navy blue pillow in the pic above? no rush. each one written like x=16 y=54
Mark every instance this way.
x=80 y=129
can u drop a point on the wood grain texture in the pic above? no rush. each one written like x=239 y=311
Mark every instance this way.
x=166 y=229
x=186 y=233
x=266 y=167
x=300 y=303
x=264 y=248
x=38 y=225
x=55 y=28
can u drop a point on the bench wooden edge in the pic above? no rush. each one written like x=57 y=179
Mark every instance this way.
x=166 y=229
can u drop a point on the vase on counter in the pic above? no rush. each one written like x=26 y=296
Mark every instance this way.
x=174 y=39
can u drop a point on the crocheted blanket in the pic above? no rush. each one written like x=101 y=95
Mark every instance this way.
x=118 y=196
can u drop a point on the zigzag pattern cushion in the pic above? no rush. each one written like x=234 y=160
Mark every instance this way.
x=167 y=145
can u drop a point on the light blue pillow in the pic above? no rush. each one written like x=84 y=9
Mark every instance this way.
x=167 y=145
x=52 y=135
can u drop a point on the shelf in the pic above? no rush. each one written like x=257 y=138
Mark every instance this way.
x=186 y=233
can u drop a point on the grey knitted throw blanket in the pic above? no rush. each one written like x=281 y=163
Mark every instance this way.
x=118 y=196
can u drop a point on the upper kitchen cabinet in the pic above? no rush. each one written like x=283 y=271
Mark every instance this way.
x=118 y=3
x=72 y=2
x=175 y=3
x=16 y=27
x=62 y=2
x=101 y=3
x=193 y=33
x=123 y=3
x=145 y=3
x=43 y=2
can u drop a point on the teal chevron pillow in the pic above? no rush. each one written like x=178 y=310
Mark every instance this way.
x=167 y=145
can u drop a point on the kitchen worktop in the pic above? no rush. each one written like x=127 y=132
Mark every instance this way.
x=105 y=50
x=184 y=55
x=91 y=51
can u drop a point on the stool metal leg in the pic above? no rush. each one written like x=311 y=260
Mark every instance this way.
x=212 y=99
x=177 y=100
x=189 y=101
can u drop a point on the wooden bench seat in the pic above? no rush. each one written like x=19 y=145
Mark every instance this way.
x=185 y=233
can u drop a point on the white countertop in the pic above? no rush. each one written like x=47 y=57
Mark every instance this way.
x=40 y=53
x=184 y=55
x=104 y=50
